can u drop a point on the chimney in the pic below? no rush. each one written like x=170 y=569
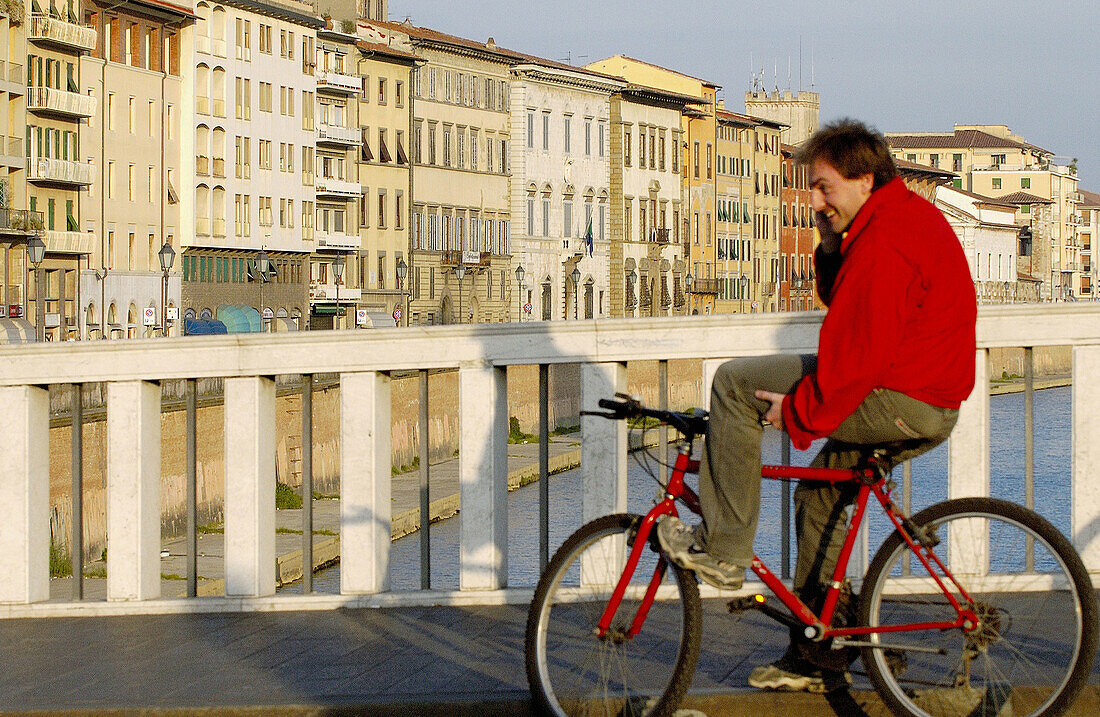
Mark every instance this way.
x=491 y=43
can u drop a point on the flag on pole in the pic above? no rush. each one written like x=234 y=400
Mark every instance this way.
x=588 y=237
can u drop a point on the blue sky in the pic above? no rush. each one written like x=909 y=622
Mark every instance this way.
x=901 y=66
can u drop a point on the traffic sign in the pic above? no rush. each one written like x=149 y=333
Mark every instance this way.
x=149 y=316
x=360 y=317
x=527 y=307
x=397 y=313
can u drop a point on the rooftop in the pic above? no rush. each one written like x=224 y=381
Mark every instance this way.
x=958 y=139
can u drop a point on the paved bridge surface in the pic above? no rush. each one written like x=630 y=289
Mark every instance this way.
x=387 y=661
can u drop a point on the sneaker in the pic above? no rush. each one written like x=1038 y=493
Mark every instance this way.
x=790 y=675
x=678 y=542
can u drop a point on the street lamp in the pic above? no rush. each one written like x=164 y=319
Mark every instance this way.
x=744 y=285
x=519 y=292
x=402 y=272
x=337 y=274
x=576 y=277
x=688 y=281
x=36 y=252
x=460 y=271
x=263 y=265
x=631 y=276
x=167 y=255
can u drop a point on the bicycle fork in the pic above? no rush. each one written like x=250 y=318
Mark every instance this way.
x=640 y=534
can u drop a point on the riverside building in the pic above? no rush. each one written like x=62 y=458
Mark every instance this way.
x=17 y=223
x=993 y=162
x=56 y=124
x=648 y=269
x=132 y=85
x=251 y=127
x=461 y=267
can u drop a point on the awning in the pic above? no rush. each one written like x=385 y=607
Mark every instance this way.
x=379 y=320
x=240 y=319
x=17 y=331
x=283 y=323
x=194 y=327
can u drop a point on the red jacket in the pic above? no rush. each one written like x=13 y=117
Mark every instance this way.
x=901 y=315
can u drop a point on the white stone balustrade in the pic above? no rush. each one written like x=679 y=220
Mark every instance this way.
x=364 y=360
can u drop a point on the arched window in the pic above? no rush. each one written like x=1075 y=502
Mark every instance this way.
x=202 y=150
x=202 y=89
x=217 y=26
x=217 y=152
x=217 y=206
x=132 y=322
x=217 y=92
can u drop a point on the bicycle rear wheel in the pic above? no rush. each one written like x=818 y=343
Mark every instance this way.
x=572 y=671
x=1033 y=649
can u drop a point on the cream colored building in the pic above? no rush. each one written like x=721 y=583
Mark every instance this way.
x=461 y=267
x=647 y=265
x=560 y=175
x=988 y=232
x=697 y=140
x=132 y=208
x=1089 y=232
x=797 y=111
x=57 y=173
x=992 y=161
x=386 y=109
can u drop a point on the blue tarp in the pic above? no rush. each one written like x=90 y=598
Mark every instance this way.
x=193 y=327
x=240 y=319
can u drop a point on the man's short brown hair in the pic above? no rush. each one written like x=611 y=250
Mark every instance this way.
x=853 y=149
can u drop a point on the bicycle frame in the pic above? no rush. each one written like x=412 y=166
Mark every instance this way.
x=870 y=482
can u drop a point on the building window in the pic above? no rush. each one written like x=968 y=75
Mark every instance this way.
x=546 y=131
x=1025 y=183
x=996 y=182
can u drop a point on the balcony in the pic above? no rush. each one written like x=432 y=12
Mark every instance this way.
x=338 y=82
x=202 y=165
x=62 y=33
x=59 y=171
x=13 y=147
x=327 y=292
x=202 y=226
x=58 y=242
x=658 y=236
x=60 y=103
x=13 y=73
x=337 y=240
x=704 y=286
x=330 y=188
x=336 y=135
x=202 y=105
x=219 y=167
x=219 y=228
x=20 y=221
x=202 y=44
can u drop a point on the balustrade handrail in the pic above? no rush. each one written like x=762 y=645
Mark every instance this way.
x=364 y=361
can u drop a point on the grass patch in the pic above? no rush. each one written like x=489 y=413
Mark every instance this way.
x=61 y=566
x=515 y=435
x=325 y=531
x=288 y=531
x=286 y=498
x=643 y=422
x=209 y=528
x=96 y=571
x=565 y=430
x=171 y=576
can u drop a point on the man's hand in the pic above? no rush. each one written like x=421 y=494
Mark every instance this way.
x=830 y=239
x=774 y=414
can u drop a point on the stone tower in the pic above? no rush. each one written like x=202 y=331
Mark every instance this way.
x=374 y=9
x=800 y=111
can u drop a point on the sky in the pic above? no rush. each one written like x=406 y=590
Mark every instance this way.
x=921 y=65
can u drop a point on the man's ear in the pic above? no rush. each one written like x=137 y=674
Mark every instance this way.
x=867 y=182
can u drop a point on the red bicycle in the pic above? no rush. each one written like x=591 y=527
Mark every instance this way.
x=971 y=606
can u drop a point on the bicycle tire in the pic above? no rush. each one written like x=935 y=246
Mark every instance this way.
x=571 y=671
x=1034 y=648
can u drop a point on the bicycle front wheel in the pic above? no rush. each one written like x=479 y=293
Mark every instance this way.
x=1033 y=648
x=571 y=670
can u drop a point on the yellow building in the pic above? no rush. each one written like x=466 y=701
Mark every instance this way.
x=17 y=224
x=992 y=161
x=697 y=139
x=385 y=119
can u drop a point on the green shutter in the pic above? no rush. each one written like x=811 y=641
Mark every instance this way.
x=50 y=213
x=30 y=70
x=69 y=218
x=72 y=82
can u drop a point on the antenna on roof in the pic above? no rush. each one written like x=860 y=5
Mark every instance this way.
x=799 y=63
x=811 y=65
x=752 y=74
x=788 y=73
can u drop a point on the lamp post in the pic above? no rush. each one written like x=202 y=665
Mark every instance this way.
x=263 y=265
x=576 y=277
x=688 y=281
x=519 y=292
x=460 y=271
x=36 y=252
x=403 y=271
x=744 y=285
x=167 y=255
x=337 y=274
x=630 y=278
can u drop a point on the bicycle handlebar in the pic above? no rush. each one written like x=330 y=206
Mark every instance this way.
x=624 y=406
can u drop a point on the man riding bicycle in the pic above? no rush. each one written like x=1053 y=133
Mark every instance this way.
x=895 y=359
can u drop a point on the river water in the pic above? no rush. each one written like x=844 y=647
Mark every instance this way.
x=1052 y=497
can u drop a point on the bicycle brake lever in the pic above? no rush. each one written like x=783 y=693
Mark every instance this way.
x=601 y=414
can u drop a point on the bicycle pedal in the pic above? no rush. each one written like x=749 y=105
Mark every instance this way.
x=746 y=602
